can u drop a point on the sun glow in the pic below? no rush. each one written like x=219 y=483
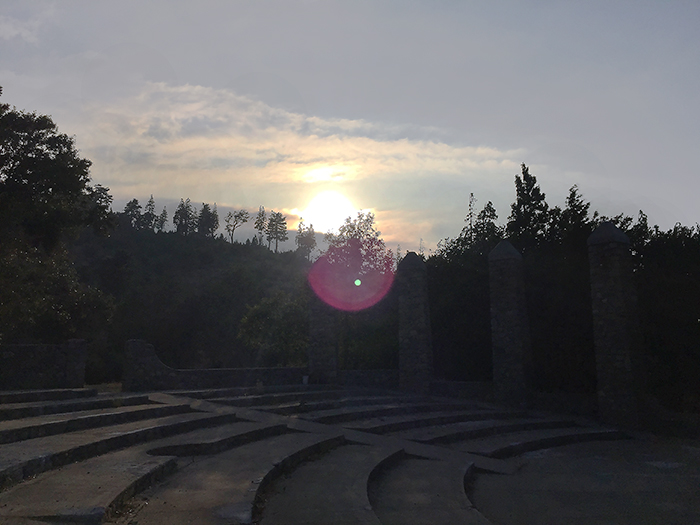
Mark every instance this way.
x=328 y=210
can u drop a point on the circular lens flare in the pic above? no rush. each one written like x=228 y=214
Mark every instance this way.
x=341 y=287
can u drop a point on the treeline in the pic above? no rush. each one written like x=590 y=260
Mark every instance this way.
x=553 y=241
x=205 y=222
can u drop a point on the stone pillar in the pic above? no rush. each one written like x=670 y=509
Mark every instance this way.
x=615 y=324
x=323 y=343
x=510 y=327
x=415 y=343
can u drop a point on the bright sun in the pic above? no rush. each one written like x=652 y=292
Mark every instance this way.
x=328 y=211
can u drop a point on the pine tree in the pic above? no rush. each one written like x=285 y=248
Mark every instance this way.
x=207 y=221
x=529 y=218
x=148 y=218
x=261 y=223
x=185 y=218
x=305 y=239
x=276 y=229
x=161 y=221
x=133 y=211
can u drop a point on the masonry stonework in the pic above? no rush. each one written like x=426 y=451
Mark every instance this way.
x=323 y=342
x=510 y=328
x=415 y=343
x=144 y=371
x=615 y=325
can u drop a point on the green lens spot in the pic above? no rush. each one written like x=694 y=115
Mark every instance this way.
x=358 y=282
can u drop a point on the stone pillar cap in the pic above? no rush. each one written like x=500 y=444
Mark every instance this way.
x=411 y=261
x=504 y=250
x=606 y=233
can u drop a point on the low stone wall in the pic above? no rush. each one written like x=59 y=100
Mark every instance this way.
x=144 y=371
x=481 y=390
x=28 y=367
x=370 y=378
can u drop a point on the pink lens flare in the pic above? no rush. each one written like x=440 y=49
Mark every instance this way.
x=341 y=287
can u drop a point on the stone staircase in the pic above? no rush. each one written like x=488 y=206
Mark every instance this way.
x=295 y=454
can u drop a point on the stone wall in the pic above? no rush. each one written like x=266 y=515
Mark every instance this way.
x=415 y=341
x=25 y=367
x=144 y=371
x=510 y=328
x=615 y=326
x=388 y=379
x=323 y=343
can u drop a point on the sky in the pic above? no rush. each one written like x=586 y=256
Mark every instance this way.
x=402 y=108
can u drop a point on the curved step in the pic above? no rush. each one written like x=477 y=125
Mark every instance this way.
x=40 y=408
x=389 y=424
x=227 y=487
x=477 y=429
x=344 y=415
x=41 y=426
x=331 y=489
x=28 y=396
x=422 y=492
x=343 y=402
x=23 y=459
x=508 y=445
x=96 y=488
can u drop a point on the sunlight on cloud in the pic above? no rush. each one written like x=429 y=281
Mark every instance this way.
x=171 y=141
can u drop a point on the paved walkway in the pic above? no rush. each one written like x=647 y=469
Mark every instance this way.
x=636 y=482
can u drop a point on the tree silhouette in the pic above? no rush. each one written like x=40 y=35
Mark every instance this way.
x=235 y=219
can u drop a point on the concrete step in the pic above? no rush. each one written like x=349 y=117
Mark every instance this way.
x=304 y=407
x=387 y=424
x=331 y=489
x=29 y=396
x=210 y=393
x=354 y=413
x=23 y=459
x=41 y=426
x=40 y=408
x=228 y=487
x=476 y=429
x=288 y=398
x=94 y=489
x=513 y=444
x=417 y=491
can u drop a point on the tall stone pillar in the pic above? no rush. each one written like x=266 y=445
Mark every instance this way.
x=323 y=343
x=415 y=343
x=615 y=324
x=510 y=328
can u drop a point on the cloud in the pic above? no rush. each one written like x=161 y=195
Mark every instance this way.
x=214 y=145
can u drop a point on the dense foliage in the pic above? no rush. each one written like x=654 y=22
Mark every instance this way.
x=553 y=243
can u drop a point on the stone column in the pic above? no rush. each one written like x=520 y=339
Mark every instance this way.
x=615 y=324
x=323 y=343
x=76 y=355
x=510 y=327
x=415 y=343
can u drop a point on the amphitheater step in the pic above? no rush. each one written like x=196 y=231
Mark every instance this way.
x=477 y=429
x=23 y=459
x=417 y=491
x=277 y=399
x=513 y=444
x=97 y=487
x=331 y=489
x=243 y=391
x=40 y=408
x=385 y=425
x=226 y=488
x=353 y=413
x=304 y=407
x=29 y=396
x=35 y=427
